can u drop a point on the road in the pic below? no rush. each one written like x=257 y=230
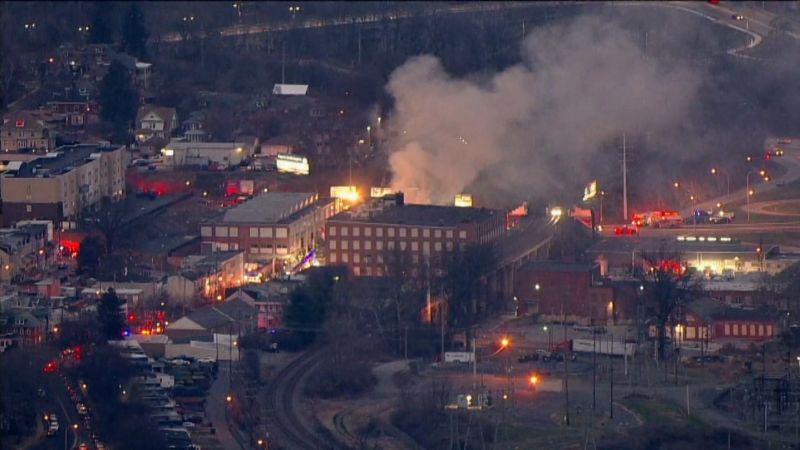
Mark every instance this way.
x=216 y=409
x=288 y=426
x=757 y=23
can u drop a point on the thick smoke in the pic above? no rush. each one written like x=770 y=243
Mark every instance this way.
x=535 y=125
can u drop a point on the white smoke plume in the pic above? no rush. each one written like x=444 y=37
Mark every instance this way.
x=533 y=126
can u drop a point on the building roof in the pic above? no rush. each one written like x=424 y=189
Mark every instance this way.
x=270 y=207
x=217 y=316
x=12 y=239
x=290 y=89
x=710 y=309
x=23 y=120
x=164 y=113
x=61 y=161
x=422 y=215
x=559 y=266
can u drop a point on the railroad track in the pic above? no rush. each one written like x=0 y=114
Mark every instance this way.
x=286 y=420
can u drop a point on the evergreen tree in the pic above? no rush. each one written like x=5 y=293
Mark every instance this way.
x=118 y=99
x=89 y=255
x=110 y=315
x=134 y=33
x=100 y=30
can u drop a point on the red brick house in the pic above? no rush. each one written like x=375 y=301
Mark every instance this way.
x=574 y=291
x=710 y=320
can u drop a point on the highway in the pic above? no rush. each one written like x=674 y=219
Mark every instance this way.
x=756 y=23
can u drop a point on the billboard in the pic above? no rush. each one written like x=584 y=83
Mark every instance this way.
x=378 y=192
x=349 y=193
x=590 y=191
x=464 y=200
x=297 y=165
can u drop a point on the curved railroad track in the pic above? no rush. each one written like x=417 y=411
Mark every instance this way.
x=287 y=422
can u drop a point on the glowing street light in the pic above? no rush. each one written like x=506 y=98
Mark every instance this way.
x=228 y=398
x=676 y=185
x=504 y=342
x=534 y=380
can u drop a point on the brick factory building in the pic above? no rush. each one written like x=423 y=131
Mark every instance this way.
x=363 y=238
x=272 y=225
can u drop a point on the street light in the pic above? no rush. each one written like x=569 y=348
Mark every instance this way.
x=750 y=192
x=504 y=342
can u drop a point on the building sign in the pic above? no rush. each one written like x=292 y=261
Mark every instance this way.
x=20 y=124
x=297 y=165
x=590 y=191
x=380 y=192
x=464 y=200
x=349 y=193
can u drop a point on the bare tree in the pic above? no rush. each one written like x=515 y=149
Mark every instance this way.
x=109 y=220
x=667 y=287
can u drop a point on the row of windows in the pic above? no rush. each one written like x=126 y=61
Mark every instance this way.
x=742 y=330
x=255 y=232
x=355 y=231
x=268 y=249
x=391 y=245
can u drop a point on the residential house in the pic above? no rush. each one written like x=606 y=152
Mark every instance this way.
x=155 y=121
x=211 y=273
x=24 y=130
x=21 y=250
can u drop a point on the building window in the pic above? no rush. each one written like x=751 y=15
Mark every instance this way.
x=761 y=330
x=345 y=258
x=281 y=232
x=403 y=232
x=437 y=246
x=462 y=234
x=380 y=258
x=390 y=245
x=449 y=234
x=390 y=232
x=333 y=245
x=368 y=231
x=265 y=232
x=379 y=232
x=403 y=245
x=356 y=245
x=449 y=246
x=378 y=245
x=356 y=271
x=414 y=246
x=253 y=249
x=752 y=330
x=415 y=232
x=345 y=245
x=221 y=231
x=437 y=233
x=356 y=231
x=735 y=329
x=253 y=232
x=357 y=257
x=234 y=231
x=332 y=257
x=344 y=231
x=367 y=245
x=426 y=248
x=426 y=232
x=332 y=231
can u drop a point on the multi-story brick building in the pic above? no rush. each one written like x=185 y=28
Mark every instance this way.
x=24 y=130
x=63 y=184
x=271 y=225
x=365 y=237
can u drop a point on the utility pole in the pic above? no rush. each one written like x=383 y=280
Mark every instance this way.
x=611 y=361
x=594 y=373
x=624 y=179
x=567 y=355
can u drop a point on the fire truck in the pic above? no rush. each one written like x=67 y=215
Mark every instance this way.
x=658 y=219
